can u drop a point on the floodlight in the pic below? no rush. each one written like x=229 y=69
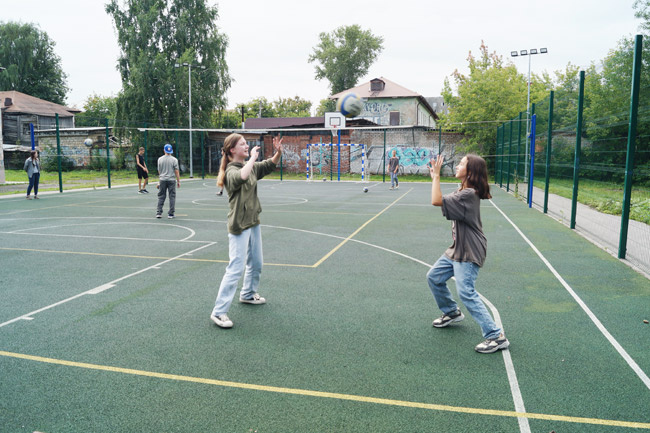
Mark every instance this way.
x=514 y=53
x=524 y=52
x=533 y=51
x=543 y=50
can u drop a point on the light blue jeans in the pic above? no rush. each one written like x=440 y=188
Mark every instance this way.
x=393 y=179
x=245 y=252
x=465 y=273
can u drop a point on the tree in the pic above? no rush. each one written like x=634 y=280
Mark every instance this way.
x=493 y=92
x=96 y=110
x=326 y=106
x=154 y=35
x=292 y=107
x=345 y=55
x=32 y=66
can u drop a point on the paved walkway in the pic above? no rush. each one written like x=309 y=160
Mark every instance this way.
x=602 y=229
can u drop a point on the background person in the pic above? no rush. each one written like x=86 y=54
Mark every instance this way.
x=244 y=232
x=33 y=168
x=143 y=171
x=168 y=171
x=393 y=166
x=467 y=252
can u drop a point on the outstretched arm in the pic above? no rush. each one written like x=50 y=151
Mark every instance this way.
x=434 y=170
x=277 y=145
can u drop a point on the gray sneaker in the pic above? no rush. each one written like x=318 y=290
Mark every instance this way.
x=222 y=321
x=492 y=345
x=448 y=319
x=256 y=299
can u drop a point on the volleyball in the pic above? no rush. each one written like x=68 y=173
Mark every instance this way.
x=88 y=142
x=365 y=190
x=349 y=105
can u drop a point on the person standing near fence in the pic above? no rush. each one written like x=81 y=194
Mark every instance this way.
x=467 y=252
x=143 y=172
x=244 y=232
x=33 y=168
x=169 y=178
x=393 y=166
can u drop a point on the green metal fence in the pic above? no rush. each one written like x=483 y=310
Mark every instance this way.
x=591 y=169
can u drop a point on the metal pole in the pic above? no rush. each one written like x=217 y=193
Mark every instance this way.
x=108 y=156
x=58 y=151
x=384 y=158
x=527 y=115
x=631 y=143
x=532 y=160
x=190 y=86
x=576 y=160
x=549 y=142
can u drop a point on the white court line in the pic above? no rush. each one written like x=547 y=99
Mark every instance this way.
x=635 y=367
x=26 y=230
x=101 y=288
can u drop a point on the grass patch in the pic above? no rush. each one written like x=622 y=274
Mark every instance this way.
x=604 y=197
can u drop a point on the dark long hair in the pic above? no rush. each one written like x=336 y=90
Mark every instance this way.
x=230 y=142
x=477 y=176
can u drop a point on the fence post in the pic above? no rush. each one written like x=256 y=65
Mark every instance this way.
x=549 y=140
x=108 y=156
x=58 y=151
x=631 y=143
x=503 y=144
x=533 y=124
x=518 y=152
x=576 y=159
x=509 y=155
x=384 y=159
x=202 y=156
x=146 y=135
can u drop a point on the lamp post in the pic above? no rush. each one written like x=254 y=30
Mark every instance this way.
x=528 y=53
x=189 y=65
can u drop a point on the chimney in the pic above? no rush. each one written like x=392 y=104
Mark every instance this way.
x=8 y=102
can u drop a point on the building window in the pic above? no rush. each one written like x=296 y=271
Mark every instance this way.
x=394 y=118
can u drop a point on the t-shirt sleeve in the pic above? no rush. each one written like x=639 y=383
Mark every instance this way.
x=233 y=178
x=454 y=205
x=263 y=168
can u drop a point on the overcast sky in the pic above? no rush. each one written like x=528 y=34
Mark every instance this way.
x=270 y=40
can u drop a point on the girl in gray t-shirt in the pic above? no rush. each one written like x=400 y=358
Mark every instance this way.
x=467 y=252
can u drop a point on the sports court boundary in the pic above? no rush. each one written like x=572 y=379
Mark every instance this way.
x=330 y=395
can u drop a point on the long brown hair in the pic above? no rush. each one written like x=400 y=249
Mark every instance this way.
x=477 y=176
x=230 y=142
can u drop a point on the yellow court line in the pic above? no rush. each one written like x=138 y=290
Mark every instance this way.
x=332 y=395
x=344 y=241
x=143 y=257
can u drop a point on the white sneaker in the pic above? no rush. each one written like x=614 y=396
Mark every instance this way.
x=222 y=321
x=256 y=299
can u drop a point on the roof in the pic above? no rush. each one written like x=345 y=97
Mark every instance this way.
x=390 y=90
x=298 y=122
x=26 y=104
x=281 y=122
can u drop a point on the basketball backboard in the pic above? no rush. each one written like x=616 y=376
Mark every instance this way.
x=334 y=120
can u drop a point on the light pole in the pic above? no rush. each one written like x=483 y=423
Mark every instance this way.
x=189 y=65
x=528 y=53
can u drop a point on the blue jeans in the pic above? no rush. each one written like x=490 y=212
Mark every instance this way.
x=33 y=183
x=393 y=179
x=465 y=273
x=245 y=246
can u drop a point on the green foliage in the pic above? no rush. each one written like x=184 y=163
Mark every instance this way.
x=96 y=110
x=326 y=106
x=32 y=66
x=292 y=107
x=492 y=92
x=154 y=36
x=345 y=55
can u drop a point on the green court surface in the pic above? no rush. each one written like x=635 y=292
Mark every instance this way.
x=104 y=318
